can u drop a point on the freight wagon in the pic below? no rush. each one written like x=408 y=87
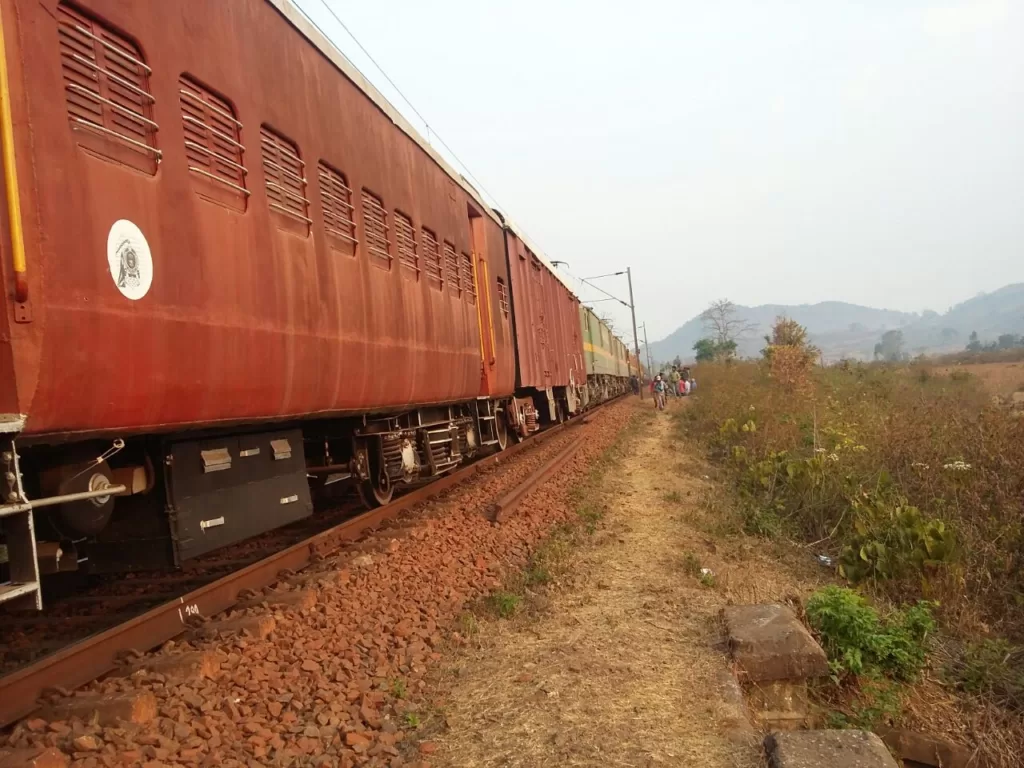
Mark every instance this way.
x=234 y=281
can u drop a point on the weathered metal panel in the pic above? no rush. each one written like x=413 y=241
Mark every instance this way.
x=549 y=346
x=245 y=319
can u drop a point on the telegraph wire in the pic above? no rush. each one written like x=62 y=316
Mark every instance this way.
x=405 y=98
x=415 y=111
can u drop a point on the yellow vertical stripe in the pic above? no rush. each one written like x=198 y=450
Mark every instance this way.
x=10 y=171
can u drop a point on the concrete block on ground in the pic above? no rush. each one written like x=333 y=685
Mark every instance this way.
x=136 y=707
x=734 y=716
x=827 y=749
x=926 y=750
x=259 y=626
x=299 y=599
x=179 y=666
x=781 y=704
x=32 y=758
x=768 y=642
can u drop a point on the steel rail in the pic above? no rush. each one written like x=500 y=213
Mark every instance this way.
x=95 y=656
x=508 y=504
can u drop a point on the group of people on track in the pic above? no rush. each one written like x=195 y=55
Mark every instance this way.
x=679 y=382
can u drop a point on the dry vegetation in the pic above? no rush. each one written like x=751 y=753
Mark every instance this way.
x=999 y=379
x=912 y=480
x=603 y=651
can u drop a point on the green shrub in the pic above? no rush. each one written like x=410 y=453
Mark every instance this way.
x=860 y=642
x=891 y=540
x=764 y=522
x=875 y=702
x=690 y=564
x=504 y=604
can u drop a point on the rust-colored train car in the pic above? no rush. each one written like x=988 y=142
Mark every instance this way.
x=213 y=223
x=229 y=266
x=550 y=375
x=295 y=253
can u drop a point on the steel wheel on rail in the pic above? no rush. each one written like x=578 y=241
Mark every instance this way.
x=500 y=427
x=376 y=493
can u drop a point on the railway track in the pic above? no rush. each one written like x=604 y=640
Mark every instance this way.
x=88 y=658
x=108 y=600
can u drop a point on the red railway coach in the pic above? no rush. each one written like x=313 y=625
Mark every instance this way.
x=550 y=373
x=229 y=263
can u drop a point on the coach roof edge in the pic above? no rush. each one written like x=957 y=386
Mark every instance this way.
x=298 y=19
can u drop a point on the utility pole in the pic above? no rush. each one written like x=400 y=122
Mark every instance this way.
x=632 y=308
x=650 y=365
x=636 y=338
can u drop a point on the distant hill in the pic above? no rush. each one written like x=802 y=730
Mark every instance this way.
x=851 y=331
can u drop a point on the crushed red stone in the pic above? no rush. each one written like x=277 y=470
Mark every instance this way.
x=330 y=682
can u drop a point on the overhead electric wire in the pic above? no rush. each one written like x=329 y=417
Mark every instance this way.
x=418 y=114
x=405 y=98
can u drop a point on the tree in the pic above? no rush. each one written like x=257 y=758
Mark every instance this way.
x=974 y=345
x=789 y=354
x=787 y=333
x=1009 y=340
x=678 y=362
x=723 y=324
x=948 y=334
x=709 y=350
x=705 y=350
x=890 y=347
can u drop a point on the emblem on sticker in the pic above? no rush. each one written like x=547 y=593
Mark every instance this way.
x=130 y=260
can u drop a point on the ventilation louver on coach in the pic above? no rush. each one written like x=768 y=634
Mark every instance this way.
x=213 y=145
x=285 y=176
x=375 y=219
x=337 y=209
x=405 y=239
x=106 y=88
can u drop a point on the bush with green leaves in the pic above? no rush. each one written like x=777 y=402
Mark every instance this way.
x=861 y=642
x=879 y=469
x=892 y=539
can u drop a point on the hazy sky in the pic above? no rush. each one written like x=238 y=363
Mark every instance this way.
x=761 y=150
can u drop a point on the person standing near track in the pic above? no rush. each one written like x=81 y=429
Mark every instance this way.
x=659 y=393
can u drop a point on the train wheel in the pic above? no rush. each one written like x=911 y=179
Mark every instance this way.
x=500 y=428
x=376 y=493
x=88 y=517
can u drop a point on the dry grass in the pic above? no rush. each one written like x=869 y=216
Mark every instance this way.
x=1002 y=379
x=901 y=429
x=619 y=666
x=890 y=434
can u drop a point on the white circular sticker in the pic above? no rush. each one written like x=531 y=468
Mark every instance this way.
x=130 y=260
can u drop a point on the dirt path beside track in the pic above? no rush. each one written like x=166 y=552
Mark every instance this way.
x=619 y=665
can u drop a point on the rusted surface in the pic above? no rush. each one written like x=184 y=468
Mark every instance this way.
x=506 y=505
x=84 y=661
x=246 y=318
x=549 y=346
